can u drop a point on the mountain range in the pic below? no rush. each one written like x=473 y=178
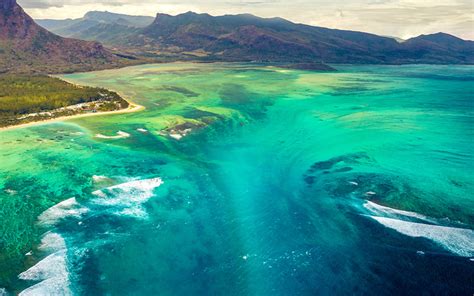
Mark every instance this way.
x=96 y=25
x=246 y=37
x=27 y=47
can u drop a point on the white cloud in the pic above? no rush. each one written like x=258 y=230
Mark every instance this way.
x=401 y=18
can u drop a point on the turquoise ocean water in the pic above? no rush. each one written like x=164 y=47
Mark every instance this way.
x=241 y=179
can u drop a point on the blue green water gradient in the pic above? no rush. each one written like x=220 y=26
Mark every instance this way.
x=241 y=179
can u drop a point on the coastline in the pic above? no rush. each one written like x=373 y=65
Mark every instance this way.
x=133 y=107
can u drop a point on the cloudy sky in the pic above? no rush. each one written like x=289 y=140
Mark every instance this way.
x=398 y=18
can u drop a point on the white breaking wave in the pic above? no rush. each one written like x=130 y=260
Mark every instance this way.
x=52 y=242
x=128 y=197
x=52 y=271
x=390 y=212
x=53 y=286
x=67 y=208
x=176 y=136
x=138 y=212
x=460 y=241
x=120 y=135
x=51 y=266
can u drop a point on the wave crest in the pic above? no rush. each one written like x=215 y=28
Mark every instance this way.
x=52 y=271
x=128 y=197
x=67 y=208
x=459 y=241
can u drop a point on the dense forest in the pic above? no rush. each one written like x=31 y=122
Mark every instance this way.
x=31 y=98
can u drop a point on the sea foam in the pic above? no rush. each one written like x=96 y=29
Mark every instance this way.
x=127 y=198
x=52 y=242
x=390 y=212
x=460 y=241
x=67 y=208
x=120 y=135
x=52 y=271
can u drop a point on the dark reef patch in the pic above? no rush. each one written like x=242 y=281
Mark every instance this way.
x=353 y=88
x=236 y=96
x=330 y=164
x=182 y=90
x=232 y=94
x=198 y=114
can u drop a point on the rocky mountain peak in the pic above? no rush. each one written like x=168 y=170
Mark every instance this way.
x=7 y=5
x=27 y=47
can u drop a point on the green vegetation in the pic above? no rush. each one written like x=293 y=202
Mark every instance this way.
x=32 y=98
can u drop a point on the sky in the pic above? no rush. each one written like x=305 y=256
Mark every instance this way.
x=396 y=18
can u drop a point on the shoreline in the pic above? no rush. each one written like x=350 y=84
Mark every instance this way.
x=130 y=109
